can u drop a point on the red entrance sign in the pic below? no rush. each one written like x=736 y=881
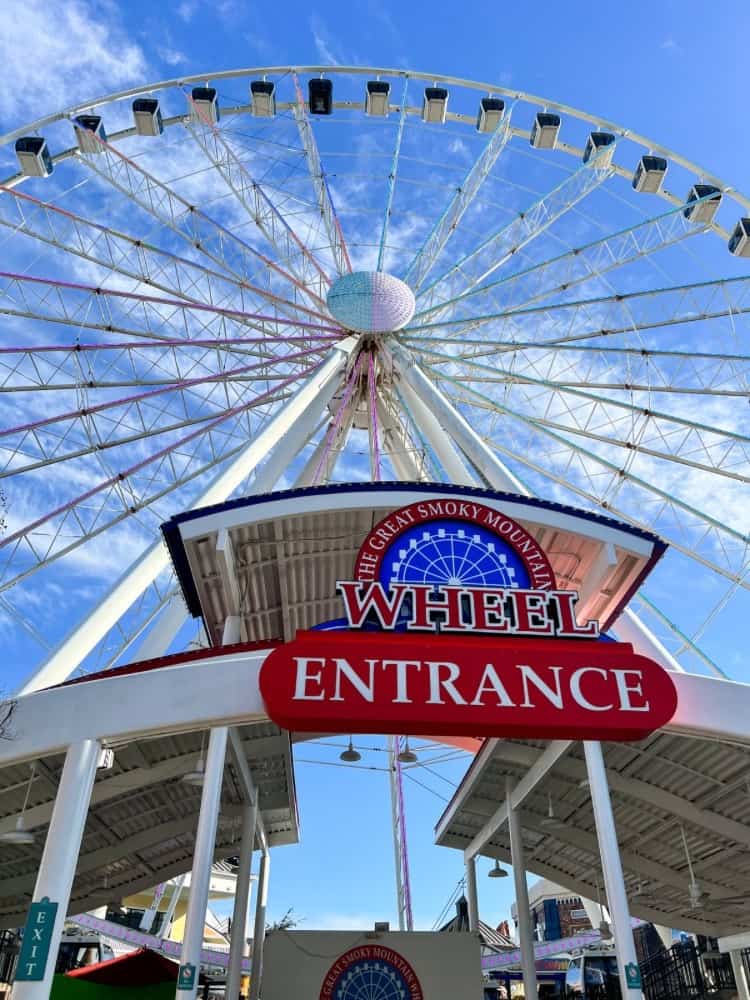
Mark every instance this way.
x=342 y=682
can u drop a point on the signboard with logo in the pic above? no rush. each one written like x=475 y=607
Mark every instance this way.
x=371 y=970
x=453 y=624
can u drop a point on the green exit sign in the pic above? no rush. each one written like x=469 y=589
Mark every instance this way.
x=37 y=935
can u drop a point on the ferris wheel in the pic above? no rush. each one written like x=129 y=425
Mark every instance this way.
x=470 y=283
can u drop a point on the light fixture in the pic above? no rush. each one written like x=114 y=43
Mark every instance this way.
x=350 y=755
x=497 y=871
x=407 y=755
x=19 y=834
x=550 y=820
x=196 y=776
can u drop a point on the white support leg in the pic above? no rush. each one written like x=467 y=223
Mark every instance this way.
x=162 y=633
x=525 y=931
x=203 y=855
x=301 y=408
x=476 y=450
x=617 y=902
x=239 y=934
x=60 y=855
x=259 y=930
x=740 y=975
x=630 y=628
x=447 y=454
x=472 y=897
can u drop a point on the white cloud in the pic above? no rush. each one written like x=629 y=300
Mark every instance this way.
x=325 y=45
x=79 y=53
x=171 y=56
x=187 y=9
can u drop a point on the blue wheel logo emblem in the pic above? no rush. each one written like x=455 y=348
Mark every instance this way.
x=372 y=972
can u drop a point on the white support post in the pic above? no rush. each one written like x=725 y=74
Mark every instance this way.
x=476 y=450
x=447 y=454
x=740 y=975
x=160 y=636
x=617 y=902
x=60 y=855
x=630 y=628
x=173 y=901
x=239 y=933
x=301 y=408
x=259 y=930
x=472 y=897
x=525 y=932
x=203 y=855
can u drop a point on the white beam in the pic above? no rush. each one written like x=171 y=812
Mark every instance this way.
x=534 y=776
x=630 y=628
x=228 y=572
x=238 y=936
x=475 y=449
x=472 y=897
x=447 y=454
x=259 y=929
x=84 y=637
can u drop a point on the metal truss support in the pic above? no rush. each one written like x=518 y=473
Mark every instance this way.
x=60 y=856
x=450 y=458
x=497 y=249
x=609 y=852
x=303 y=408
x=525 y=931
x=407 y=459
x=161 y=636
x=464 y=195
x=630 y=628
x=292 y=252
x=320 y=184
x=456 y=426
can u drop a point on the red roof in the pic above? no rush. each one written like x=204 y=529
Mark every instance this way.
x=138 y=968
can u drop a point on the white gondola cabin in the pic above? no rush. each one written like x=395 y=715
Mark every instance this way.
x=739 y=242
x=33 y=156
x=205 y=105
x=435 y=105
x=649 y=174
x=545 y=130
x=376 y=100
x=263 y=98
x=600 y=147
x=147 y=116
x=90 y=133
x=491 y=111
x=703 y=202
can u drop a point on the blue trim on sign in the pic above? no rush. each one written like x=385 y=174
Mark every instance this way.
x=173 y=537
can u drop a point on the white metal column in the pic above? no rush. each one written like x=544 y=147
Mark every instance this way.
x=525 y=932
x=740 y=976
x=203 y=856
x=617 y=902
x=60 y=855
x=239 y=935
x=147 y=567
x=259 y=930
x=472 y=898
x=447 y=454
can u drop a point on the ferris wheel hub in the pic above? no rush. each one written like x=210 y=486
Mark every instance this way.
x=371 y=302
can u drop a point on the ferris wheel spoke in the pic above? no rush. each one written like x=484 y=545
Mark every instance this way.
x=581 y=264
x=497 y=249
x=462 y=199
x=138 y=259
x=392 y=178
x=684 y=525
x=260 y=207
x=146 y=412
x=29 y=555
x=113 y=311
x=124 y=489
x=600 y=404
x=601 y=317
x=188 y=221
x=320 y=184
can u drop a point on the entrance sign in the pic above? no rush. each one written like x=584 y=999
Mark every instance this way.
x=37 y=934
x=371 y=970
x=341 y=682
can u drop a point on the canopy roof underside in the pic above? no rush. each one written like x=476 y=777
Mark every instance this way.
x=142 y=821
x=661 y=787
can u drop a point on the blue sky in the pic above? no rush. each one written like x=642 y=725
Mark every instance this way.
x=670 y=70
